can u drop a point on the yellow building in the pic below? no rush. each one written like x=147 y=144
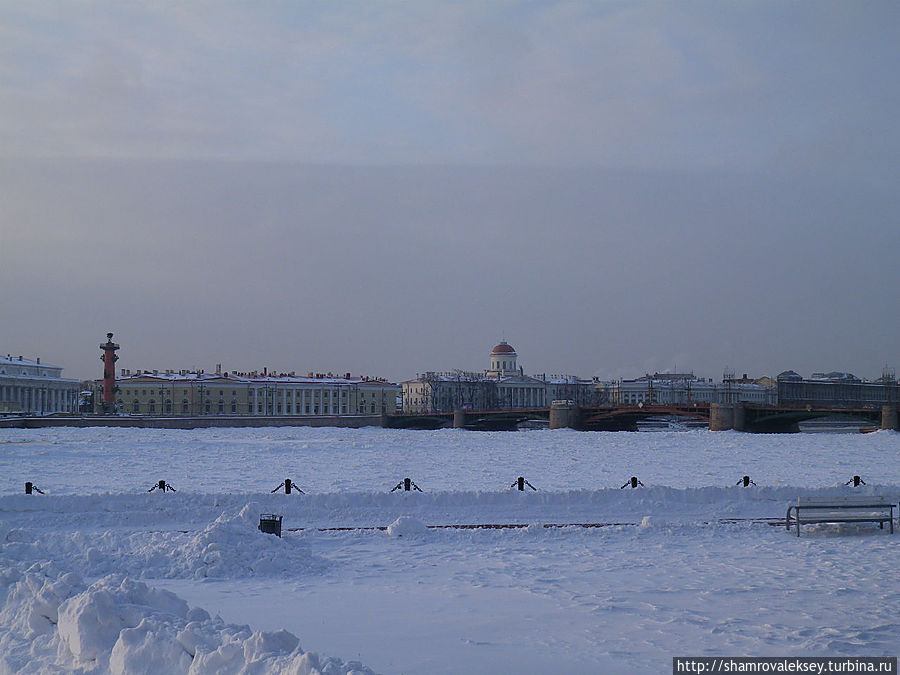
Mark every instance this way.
x=191 y=394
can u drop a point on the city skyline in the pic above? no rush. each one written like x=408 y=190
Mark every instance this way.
x=616 y=188
x=274 y=370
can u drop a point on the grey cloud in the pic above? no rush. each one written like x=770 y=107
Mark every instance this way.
x=612 y=84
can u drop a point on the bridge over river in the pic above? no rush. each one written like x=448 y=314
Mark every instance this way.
x=719 y=417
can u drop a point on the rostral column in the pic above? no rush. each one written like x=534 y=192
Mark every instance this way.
x=109 y=359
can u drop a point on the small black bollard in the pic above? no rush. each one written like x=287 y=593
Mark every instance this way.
x=521 y=483
x=633 y=482
x=745 y=481
x=288 y=485
x=407 y=485
x=162 y=486
x=856 y=480
x=270 y=523
x=31 y=488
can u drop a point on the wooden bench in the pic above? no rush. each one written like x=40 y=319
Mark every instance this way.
x=841 y=510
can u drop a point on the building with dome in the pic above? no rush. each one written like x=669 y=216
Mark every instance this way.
x=502 y=386
x=514 y=388
x=503 y=361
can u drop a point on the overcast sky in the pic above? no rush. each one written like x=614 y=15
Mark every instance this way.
x=387 y=188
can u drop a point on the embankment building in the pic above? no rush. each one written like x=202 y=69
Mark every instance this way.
x=191 y=394
x=31 y=387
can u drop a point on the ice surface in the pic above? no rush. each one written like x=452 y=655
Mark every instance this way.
x=319 y=460
x=688 y=565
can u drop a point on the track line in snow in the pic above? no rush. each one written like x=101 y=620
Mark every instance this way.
x=519 y=526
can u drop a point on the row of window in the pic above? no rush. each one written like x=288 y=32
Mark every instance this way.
x=271 y=393
x=137 y=408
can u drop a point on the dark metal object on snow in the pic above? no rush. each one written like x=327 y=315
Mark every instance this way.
x=288 y=485
x=270 y=523
x=407 y=485
x=31 y=488
x=521 y=483
x=162 y=486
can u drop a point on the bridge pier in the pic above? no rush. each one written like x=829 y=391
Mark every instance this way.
x=740 y=417
x=721 y=416
x=459 y=418
x=889 y=418
x=564 y=415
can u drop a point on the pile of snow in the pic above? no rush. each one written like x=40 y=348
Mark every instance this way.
x=231 y=546
x=407 y=526
x=52 y=620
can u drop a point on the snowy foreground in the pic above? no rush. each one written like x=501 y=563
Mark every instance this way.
x=98 y=575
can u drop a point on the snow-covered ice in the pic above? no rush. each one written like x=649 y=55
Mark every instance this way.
x=100 y=575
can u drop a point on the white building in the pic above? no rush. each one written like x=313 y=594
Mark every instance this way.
x=521 y=391
x=515 y=389
x=28 y=386
x=503 y=361
x=503 y=386
x=685 y=389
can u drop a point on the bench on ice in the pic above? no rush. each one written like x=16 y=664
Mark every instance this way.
x=841 y=510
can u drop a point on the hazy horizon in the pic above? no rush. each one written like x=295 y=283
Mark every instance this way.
x=615 y=188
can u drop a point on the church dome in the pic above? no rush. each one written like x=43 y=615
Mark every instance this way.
x=503 y=348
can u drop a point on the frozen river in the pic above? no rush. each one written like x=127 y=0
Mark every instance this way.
x=689 y=564
x=327 y=460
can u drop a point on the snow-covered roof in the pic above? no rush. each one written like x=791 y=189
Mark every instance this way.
x=22 y=361
x=20 y=367
x=668 y=377
x=520 y=379
x=453 y=376
x=231 y=378
x=464 y=376
x=566 y=379
x=835 y=376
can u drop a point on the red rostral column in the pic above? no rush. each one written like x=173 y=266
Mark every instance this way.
x=109 y=359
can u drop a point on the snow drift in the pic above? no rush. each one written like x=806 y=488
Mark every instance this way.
x=54 y=621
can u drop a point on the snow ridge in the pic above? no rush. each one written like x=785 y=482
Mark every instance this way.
x=54 y=621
